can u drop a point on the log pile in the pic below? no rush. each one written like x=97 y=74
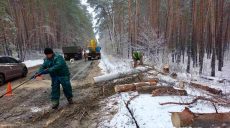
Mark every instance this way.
x=150 y=87
x=141 y=86
x=186 y=118
x=155 y=86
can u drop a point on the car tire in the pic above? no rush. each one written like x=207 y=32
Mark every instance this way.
x=2 y=79
x=24 y=72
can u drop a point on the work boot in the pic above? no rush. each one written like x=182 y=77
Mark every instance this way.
x=70 y=100
x=55 y=104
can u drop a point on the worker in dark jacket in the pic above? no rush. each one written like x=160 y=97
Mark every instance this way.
x=55 y=65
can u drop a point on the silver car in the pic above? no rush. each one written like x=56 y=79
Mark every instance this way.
x=11 y=68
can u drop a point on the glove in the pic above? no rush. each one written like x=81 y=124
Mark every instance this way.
x=35 y=75
x=39 y=74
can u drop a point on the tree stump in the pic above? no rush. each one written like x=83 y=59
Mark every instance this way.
x=166 y=68
x=186 y=118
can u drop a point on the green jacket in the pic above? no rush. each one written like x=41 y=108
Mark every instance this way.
x=137 y=55
x=56 y=66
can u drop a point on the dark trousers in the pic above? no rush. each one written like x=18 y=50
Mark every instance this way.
x=66 y=85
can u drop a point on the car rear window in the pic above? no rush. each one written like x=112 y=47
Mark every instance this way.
x=10 y=60
x=2 y=60
x=7 y=60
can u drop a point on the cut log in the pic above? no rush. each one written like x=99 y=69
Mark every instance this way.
x=167 y=79
x=206 y=88
x=117 y=75
x=125 y=88
x=167 y=90
x=145 y=89
x=152 y=72
x=166 y=68
x=173 y=75
x=147 y=77
x=186 y=118
x=181 y=85
x=135 y=86
x=182 y=119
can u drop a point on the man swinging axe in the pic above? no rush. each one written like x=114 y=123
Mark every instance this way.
x=56 y=67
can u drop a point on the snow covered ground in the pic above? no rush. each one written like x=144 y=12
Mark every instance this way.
x=147 y=109
x=32 y=63
x=110 y=64
x=150 y=114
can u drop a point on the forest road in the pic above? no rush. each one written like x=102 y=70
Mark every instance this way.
x=30 y=104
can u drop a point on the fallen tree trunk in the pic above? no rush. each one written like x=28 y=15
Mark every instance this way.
x=206 y=88
x=147 y=77
x=167 y=79
x=117 y=75
x=169 y=91
x=220 y=80
x=135 y=86
x=186 y=118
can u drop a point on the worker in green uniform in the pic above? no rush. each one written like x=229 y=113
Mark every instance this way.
x=56 y=67
x=137 y=56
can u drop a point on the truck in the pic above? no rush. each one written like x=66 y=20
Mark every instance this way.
x=94 y=51
x=72 y=52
